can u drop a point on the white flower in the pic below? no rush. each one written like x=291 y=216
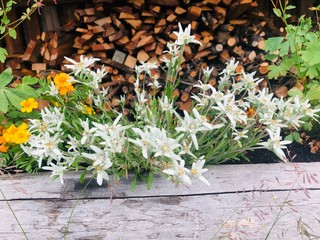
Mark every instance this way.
x=192 y=126
x=146 y=67
x=184 y=36
x=165 y=104
x=101 y=162
x=250 y=82
x=207 y=72
x=52 y=118
x=179 y=173
x=87 y=132
x=57 y=170
x=145 y=142
x=53 y=90
x=44 y=146
x=275 y=144
x=115 y=141
x=80 y=66
x=230 y=68
x=239 y=134
x=186 y=149
x=164 y=145
x=197 y=170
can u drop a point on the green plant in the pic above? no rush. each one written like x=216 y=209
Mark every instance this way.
x=295 y=54
x=78 y=130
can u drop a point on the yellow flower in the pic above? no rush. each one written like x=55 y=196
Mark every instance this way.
x=88 y=110
x=61 y=82
x=3 y=147
x=17 y=135
x=28 y=105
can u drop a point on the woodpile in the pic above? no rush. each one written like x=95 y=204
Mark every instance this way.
x=124 y=33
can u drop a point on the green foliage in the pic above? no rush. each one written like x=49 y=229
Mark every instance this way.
x=296 y=55
x=14 y=96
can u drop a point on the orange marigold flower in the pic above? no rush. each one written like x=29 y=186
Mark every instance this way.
x=28 y=105
x=17 y=135
x=62 y=82
x=88 y=110
x=3 y=148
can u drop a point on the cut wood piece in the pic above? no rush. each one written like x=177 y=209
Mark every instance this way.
x=201 y=54
x=169 y=3
x=252 y=55
x=149 y=20
x=232 y=41
x=103 y=21
x=117 y=65
x=159 y=49
x=150 y=47
x=130 y=62
x=97 y=29
x=85 y=37
x=147 y=14
x=136 y=24
x=89 y=19
x=226 y=27
x=239 y=51
x=127 y=15
x=119 y=56
x=179 y=10
x=194 y=12
x=145 y=40
x=31 y=53
x=142 y=56
x=156 y=9
x=138 y=35
x=118 y=23
x=109 y=31
x=224 y=56
x=220 y=11
x=38 y=67
x=239 y=21
x=263 y=68
x=187 y=106
x=123 y=41
x=213 y=2
x=161 y=22
x=116 y=36
x=102 y=46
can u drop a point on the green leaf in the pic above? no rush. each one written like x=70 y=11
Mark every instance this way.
x=272 y=44
x=82 y=176
x=277 y=12
x=12 y=33
x=150 y=180
x=26 y=91
x=134 y=182
x=313 y=71
x=289 y=138
x=4 y=102
x=30 y=80
x=310 y=54
x=3 y=54
x=281 y=70
x=295 y=92
x=313 y=93
x=289 y=7
x=296 y=136
x=14 y=99
x=5 y=77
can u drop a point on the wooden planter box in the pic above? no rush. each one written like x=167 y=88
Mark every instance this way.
x=243 y=202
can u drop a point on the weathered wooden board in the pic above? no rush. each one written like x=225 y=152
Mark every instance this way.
x=243 y=202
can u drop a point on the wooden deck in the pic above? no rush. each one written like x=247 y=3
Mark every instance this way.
x=243 y=202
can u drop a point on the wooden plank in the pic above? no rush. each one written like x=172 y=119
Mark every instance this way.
x=223 y=178
x=245 y=215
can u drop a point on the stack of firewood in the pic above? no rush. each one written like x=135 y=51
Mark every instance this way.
x=124 y=33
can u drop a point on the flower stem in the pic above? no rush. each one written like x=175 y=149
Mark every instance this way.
x=74 y=206
x=11 y=210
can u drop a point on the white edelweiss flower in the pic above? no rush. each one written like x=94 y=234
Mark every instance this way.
x=207 y=72
x=164 y=145
x=82 y=65
x=53 y=90
x=230 y=68
x=197 y=170
x=165 y=104
x=179 y=173
x=184 y=36
x=146 y=67
x=101 y=162
x=57 y=170
x=239 y=134
x=191 y=126
x=87 y=133
x=145 y=142
x=275 y=143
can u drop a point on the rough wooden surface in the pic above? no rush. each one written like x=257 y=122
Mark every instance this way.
x=243 y=202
